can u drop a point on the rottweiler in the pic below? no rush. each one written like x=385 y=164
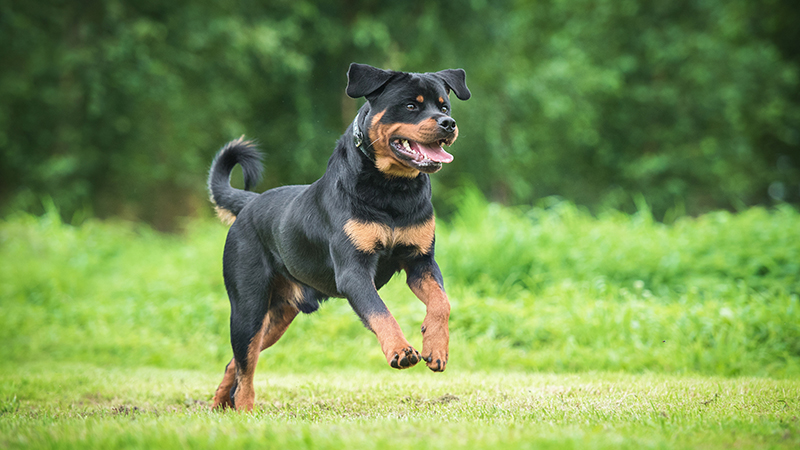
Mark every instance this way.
x=345 y=235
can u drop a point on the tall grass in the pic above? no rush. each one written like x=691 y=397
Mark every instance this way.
x=550 y=288
x=554 y=288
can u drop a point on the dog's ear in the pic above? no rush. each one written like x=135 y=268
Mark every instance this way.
x=455 y=80
x=363 y=80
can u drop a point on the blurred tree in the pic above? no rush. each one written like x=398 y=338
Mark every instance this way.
x=116 y=108
x=599 y=100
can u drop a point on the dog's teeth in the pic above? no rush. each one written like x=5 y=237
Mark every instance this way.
x=406 y=145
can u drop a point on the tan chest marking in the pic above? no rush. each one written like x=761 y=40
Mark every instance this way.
x=368 y=237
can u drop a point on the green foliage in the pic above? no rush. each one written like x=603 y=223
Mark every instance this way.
x=116 y=108
x=557 y=288
x=119 y=106
x=551 y=288
x=545 y=245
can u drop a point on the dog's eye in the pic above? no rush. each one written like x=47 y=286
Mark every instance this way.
x=444 y=109
x=411 y=107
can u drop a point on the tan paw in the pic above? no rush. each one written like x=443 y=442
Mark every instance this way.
x=436 y=360
x=404 y=358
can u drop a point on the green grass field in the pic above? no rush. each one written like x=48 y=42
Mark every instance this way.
x=84 y=406
x=568 y=331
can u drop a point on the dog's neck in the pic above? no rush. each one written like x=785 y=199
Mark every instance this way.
x=358 y=139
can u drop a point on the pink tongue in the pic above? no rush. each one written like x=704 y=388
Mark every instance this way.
x=433 y=152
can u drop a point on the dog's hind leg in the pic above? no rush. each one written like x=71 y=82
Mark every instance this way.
x=249 y=337
x=248 y=280
x=222 y=397
x=284 y=297
x=277 y=320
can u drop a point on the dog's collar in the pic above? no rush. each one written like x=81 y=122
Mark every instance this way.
x=358 y=139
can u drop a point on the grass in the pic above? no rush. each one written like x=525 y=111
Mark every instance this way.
x=551 y=289
x=568 y=331
x=84 y=406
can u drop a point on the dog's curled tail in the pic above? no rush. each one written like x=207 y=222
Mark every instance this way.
x=229 y=201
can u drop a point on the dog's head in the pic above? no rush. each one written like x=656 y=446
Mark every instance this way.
x=408 y=122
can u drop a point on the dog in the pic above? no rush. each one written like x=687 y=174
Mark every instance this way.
x=345 y=235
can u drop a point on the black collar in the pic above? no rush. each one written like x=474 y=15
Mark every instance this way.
x=358 y=139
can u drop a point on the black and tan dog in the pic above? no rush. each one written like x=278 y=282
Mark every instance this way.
x=345 y=235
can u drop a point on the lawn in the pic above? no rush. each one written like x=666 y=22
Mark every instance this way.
x=568 y=331
x=86 y=406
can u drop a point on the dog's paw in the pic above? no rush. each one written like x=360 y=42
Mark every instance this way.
x=435 y=360
x=435 y=344
x=221 y=402
x=404 y=358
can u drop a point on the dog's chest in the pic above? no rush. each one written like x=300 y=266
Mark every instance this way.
x=372 y=237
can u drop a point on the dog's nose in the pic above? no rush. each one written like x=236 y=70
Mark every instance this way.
x=447 y=124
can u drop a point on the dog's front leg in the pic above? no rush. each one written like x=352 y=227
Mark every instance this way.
x=355 y=280
x=425 y=280
x=373 y=312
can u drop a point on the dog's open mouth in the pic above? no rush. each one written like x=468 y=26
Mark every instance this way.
x=423 y=157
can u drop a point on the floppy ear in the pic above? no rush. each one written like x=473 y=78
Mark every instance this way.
x=455 y=80
x=363 y=80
